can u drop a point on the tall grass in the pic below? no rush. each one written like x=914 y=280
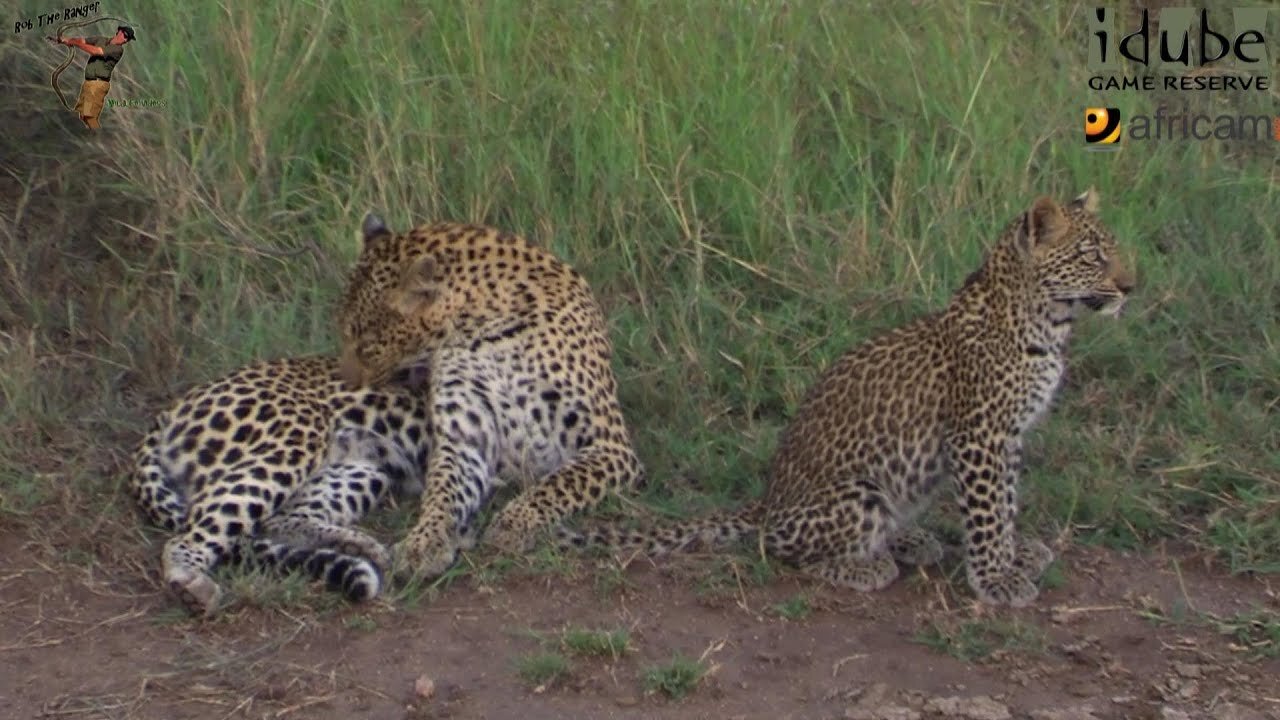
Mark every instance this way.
x=751 y=187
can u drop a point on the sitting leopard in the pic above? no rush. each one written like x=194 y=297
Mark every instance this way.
x=949 y=396
x=315 y=527
x=225 y=458
x=521 y=386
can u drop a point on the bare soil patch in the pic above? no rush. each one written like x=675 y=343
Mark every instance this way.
x=77 y=640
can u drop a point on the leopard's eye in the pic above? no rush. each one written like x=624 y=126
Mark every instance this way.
x=1090 y=251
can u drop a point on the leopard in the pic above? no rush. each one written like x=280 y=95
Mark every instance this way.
x=223 y=460
x=521 y=385
x=315 y=528
x=940 y=402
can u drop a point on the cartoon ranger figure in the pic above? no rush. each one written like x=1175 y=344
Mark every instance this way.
x=104 y=52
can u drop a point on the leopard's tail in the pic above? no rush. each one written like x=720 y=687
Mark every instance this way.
x=718 y=530
x=357 y=578
x=159 y=489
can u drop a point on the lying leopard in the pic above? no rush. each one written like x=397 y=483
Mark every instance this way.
x=315 y=527
x=947 y=397
x=222 y=466
x=521 y=386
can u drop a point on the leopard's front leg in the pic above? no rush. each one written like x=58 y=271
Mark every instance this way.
x=987 y=491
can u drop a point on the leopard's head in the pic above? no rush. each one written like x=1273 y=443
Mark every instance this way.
x=393 y=309
x=1075 y=254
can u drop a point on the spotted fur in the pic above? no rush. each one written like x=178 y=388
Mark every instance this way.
x=521 y=384
x=948 y=397
x=315 y=528
x=225 y=458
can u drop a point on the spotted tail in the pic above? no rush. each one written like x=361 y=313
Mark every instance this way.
x=355 y=577
x=713 y=531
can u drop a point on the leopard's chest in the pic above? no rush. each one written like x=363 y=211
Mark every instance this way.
x=1042 y=386
x=1041 y=375
x=538 y=426
x=526 y=419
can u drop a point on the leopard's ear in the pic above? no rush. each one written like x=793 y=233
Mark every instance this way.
x=372 y=228
x=1042 y=226
x=1086 y=201
x=419 y=286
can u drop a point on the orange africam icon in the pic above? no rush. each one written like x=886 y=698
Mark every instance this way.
x=1101 y=126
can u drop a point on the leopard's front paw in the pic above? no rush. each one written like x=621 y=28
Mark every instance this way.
x=513 y=530
x=1010 y=588
x=1032 y=557
x=363 y=545
x=916 y=546
x=423 y=554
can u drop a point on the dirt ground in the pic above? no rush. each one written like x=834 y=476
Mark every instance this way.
x=1119 y=636
x=86 y=632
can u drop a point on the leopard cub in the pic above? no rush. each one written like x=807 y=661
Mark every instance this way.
x=945 y=400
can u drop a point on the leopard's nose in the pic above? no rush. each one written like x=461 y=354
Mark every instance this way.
x=1126 y=283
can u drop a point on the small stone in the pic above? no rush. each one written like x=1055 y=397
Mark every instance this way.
x=883 y=712
x=974 y=708
x=1188 y=670
x=1085 y=689
x=1231 y=711
x=875 y=694
x=1075 y=648
x=1080 y=712
x=1168 y=713
x=424 y=687
x=874 y=705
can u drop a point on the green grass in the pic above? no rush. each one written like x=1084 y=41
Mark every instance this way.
x=256 y=587
x=1257 y=633
x=543 y=668
x=1054 y=576
x=363 y=623
x=797 y=607
x=727 y=574
x=561 y=654
x=676 y=678
x=971 y=640
x=583 y=642
x=750 y=187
